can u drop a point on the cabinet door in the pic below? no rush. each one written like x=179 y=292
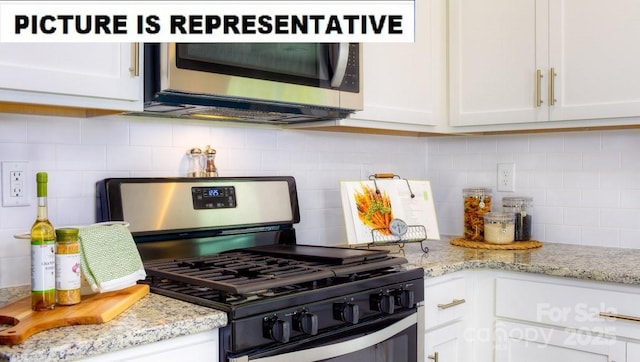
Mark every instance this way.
x=633 y=351
x=495 y=48
x=404 y=83
x=516 y=342
x=71 y=74
x=594 y=51
x=443 y=344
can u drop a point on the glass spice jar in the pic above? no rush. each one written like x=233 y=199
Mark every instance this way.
x=499 y=227
x=521 y=207
x=67 y=266
x=477 y=202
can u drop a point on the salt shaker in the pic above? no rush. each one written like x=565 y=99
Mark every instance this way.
x=195 y=163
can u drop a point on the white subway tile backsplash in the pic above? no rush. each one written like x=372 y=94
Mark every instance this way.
x=581 y=179
x=568 y=234
x=564 y=161
x=188 y=136
x=592 y=160
x=582 y=142
x=59 y=130
x=580 y=216
x=146 y=132
x=584 y=184
x=121 y=158
x=512 y=144
x=81 y=157
x=101 y=131
x=546 y=143
x=13 y=129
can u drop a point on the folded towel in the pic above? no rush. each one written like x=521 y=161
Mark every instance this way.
x=109 y=257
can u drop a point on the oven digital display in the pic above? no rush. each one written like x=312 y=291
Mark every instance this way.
x=217 y=197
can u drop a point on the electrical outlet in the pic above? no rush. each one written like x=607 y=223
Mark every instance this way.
x=14 y=184
x=506 y=177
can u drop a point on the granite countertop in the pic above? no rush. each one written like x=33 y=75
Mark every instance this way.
x=154 y=318
x=604 y=264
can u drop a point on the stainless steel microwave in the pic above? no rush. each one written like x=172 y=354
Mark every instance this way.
x=254 y=82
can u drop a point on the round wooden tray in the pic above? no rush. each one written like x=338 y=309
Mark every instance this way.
x=517 y=245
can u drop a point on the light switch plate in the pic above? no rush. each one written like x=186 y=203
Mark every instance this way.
x=14 y=183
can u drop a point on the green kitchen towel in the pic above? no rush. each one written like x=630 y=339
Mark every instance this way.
x=109 y=257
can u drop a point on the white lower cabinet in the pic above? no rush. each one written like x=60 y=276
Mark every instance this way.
x=521 y=342
x=446 y=308
x=550 y=319
x=201 y=346
x=444 y=344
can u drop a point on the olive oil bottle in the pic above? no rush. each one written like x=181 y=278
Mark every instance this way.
x=43 y=257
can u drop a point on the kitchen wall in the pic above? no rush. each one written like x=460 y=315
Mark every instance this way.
x=585 y=185
x=76 y=152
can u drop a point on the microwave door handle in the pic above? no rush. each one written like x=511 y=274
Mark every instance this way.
x=340 y=64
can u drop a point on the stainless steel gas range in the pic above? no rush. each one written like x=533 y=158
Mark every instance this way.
x=230 y=244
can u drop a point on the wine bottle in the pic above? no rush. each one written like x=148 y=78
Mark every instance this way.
x=43 y=257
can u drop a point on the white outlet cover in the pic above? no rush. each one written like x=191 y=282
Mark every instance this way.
x=8 y=198
x=506 y=177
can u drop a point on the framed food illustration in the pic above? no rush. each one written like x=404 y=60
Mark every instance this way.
x=388 y=209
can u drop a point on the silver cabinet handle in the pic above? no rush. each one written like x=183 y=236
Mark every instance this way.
x=452 y=304
x=434 y=356
x=135 y=59
x=538 y=96
x=620 y=316
x=552 y=86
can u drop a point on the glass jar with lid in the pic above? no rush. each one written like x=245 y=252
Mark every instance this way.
x=521 y=206
x=499 y=227
x=477 y=202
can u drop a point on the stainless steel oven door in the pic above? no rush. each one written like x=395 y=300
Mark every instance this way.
x=400 y=341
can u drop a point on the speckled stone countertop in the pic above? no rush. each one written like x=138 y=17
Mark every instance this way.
x=604 y=264
x=154 y=318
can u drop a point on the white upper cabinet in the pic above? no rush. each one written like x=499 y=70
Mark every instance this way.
x=495 y=48
x=405 y=83
x=594 y=49
x=100 y=75
x=523 y=63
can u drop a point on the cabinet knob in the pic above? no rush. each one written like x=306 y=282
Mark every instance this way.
x=434 y=357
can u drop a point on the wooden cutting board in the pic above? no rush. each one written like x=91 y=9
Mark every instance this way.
x=93 y=309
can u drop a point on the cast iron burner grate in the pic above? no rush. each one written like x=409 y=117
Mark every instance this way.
x=244 y=273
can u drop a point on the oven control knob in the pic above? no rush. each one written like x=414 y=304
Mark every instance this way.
x=346 y=312
x=405 y=298
x=382 y=303
x=276 y=329
x=306 y=323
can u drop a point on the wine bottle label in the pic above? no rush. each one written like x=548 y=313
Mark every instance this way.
x=67 y=271
x=43 y=266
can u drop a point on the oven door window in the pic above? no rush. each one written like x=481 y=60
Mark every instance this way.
x=388 y=340
x=296 y=63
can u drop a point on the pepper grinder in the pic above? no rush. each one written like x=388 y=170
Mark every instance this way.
x=210 y=169
x=195 y=163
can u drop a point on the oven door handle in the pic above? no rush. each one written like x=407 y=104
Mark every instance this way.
x=339 y=349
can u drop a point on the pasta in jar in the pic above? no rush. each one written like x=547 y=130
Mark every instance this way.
x=477 y=202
